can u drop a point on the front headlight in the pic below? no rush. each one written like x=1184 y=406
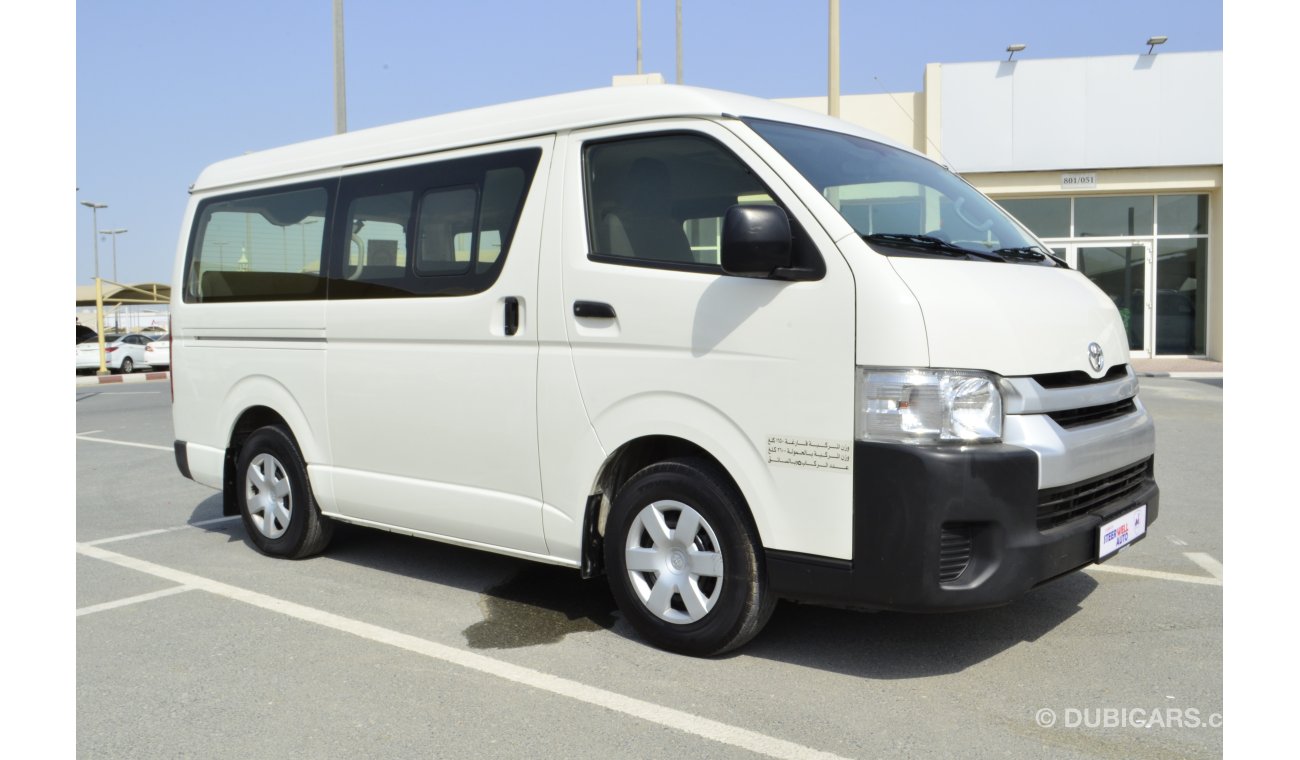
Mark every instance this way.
x=928 y=406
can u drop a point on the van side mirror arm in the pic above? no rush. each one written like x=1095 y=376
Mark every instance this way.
x=795 y=274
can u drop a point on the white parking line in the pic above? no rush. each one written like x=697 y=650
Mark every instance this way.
x=90 y=432
x=689 y=723
x=132 y=600
x=1208 y=564
x=158 y=531
x=1197 y=579
x=125 y=443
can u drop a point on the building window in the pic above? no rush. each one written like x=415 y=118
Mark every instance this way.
x=1114 y=216
x=1046 y=217
x=1174 y=227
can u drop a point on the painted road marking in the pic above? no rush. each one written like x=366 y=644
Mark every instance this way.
x=90 y=432
x=126 y=443
x=132 y=600
x=678 y=720
x=159 y=531
x=1180 y=577
x=1208 y=564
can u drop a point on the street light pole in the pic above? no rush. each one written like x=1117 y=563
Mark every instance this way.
x=99 y=288
x=114 y=233
x=94 y=221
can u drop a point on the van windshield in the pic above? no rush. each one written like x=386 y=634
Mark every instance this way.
x=900 y=203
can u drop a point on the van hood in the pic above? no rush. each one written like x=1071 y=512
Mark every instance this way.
x=1013 y=319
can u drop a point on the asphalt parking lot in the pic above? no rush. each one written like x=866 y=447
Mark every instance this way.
x=191 y=644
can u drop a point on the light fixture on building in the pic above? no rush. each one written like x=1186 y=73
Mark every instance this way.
x=1153 y=41
x=1013 y=49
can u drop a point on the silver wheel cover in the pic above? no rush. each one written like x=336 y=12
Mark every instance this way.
x=268 y=495
x=674 y=562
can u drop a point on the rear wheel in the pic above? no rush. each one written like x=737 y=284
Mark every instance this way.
x=682 y=558
x=279 y=511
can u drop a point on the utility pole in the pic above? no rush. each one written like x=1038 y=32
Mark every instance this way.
x=340 y=85
x=833 y=85
x=679 y=41
x=638 y=37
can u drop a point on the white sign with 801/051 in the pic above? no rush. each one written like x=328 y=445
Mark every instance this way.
x=1079 y=181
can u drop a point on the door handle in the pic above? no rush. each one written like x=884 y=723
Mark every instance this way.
x=512 y=315
x=593 y=310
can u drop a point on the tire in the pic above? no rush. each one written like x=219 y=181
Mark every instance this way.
x=127 y=366
x=700 y=594
x=275 y=500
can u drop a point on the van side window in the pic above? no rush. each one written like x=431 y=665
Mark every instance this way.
x=377 y=231
x=440 y=229
x=447 y=231
x=659 y=200
x=258 y=247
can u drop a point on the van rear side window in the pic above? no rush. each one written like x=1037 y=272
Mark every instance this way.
x=264 y=247
x=440 y=229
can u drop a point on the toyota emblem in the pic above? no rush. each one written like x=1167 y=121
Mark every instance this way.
x=1095 y=357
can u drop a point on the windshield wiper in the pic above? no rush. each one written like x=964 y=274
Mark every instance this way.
x=1031 y=253
x=929 y=243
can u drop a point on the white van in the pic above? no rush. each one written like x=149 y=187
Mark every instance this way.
x=720 y=350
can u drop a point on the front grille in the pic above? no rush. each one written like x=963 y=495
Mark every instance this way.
x=1071 y=418
x=1059 y=505
x=954 y=551
x=1079 y=377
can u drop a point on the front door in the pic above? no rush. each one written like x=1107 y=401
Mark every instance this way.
x=664 y=343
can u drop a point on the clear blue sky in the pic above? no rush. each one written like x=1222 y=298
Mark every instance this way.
x=165 y=88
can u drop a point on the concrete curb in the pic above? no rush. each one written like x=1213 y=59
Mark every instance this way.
x=132 y=378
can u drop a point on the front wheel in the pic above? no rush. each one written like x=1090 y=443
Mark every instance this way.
x=682 y=558
x=127 y=367
x=279 y=511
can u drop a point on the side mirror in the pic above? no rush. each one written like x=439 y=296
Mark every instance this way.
x=756 y=241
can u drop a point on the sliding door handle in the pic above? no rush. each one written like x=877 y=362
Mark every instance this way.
x=593 y=310
x=512 y=315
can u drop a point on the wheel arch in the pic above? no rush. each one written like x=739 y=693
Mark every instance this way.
x=253 y=403
x=619 y=466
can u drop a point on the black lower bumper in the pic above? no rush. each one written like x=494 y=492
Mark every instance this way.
x=908 y=499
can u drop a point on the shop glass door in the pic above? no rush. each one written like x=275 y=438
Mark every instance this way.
x=1122 y=269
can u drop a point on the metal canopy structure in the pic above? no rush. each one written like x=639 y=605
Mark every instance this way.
x=116 y=294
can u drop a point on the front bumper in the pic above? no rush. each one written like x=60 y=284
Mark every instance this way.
x=907 y=499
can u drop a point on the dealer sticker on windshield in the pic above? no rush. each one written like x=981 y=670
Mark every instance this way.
x=1121 y=532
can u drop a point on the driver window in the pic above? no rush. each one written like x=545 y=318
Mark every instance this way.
x=660 y=199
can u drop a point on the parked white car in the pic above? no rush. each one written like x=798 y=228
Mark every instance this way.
x=123 y=353
x=159 y=351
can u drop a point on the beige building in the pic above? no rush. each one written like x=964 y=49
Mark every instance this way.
x=1116 y=162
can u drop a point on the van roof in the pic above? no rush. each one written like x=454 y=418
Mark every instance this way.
x=575 y=110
